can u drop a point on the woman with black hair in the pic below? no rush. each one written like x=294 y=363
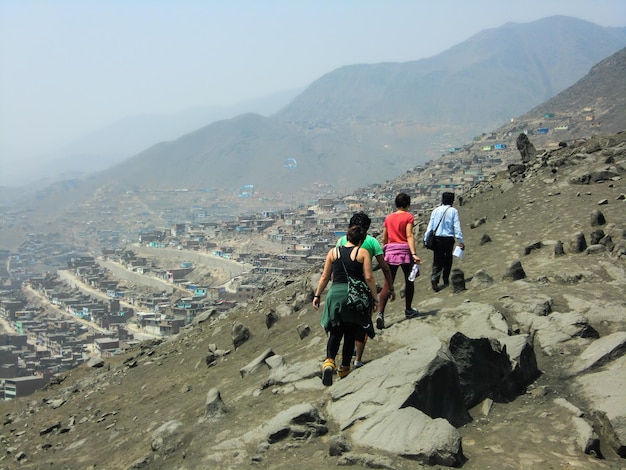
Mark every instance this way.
x=340 y=321
x=399 y=243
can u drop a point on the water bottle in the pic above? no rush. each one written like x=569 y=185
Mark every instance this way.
x=414 y=271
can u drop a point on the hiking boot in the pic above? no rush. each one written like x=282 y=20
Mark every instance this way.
x=343 y=371
x=328 y=369
x=411 y=313
x=435 y=286
x=380 y=321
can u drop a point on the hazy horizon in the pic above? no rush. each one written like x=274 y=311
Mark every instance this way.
x=68 y=68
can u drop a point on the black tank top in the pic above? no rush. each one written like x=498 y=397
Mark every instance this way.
x=354 y=268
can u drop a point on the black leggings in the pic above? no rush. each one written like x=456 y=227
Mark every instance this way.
x=349 y=333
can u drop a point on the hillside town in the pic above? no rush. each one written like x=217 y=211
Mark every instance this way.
x=62 y=306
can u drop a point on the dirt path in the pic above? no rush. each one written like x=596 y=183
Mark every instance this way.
x=36 y=297
x=72 y=280
x=220 y=269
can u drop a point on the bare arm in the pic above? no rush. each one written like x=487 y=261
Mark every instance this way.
x=364 y=257
x=387 y=273
x=385 y=236
x=321 y=285
x=411 y=240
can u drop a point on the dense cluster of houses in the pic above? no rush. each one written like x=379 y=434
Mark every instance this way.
x=45 y=345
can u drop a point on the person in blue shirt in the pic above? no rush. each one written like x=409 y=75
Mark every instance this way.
x=446 y=218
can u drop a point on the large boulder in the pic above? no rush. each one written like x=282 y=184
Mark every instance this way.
x=422 y=376
x=396 y=403
x=414 y=435
x=605 y=392
x=240 y=333
x=526 y=148
x=486 y=370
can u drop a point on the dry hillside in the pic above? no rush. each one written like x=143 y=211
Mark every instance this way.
x=197 y=401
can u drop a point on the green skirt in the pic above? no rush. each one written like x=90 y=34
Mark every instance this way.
x=335 y=310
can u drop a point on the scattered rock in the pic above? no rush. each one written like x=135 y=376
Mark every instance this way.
x=482 y=278
x=289 y=374
x=596 y=236
x=535 y=246
x=215 y=407
x=95 y=362
x=54 y=404
x=577 y=243
x=514 y=272
x=457 y=280
x=300 y=421
x=595 y=249
x=526 y=148
x=167 y=438
x=256 y=363
x=561 y=327
x=275 y=361
x=478 y=222
x=210 y=359
x=597 y=218
x=270 y=319
x=140 y=463
x=49 y=429
x=350 y=459
x=240 y=334
x=303 y=330
x=601 y=351
x=558 y=249
x=586 y=438
x=516 y=169
x=338 y=445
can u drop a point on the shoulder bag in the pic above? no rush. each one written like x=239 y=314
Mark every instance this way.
x=429 y=241
x=359 y=297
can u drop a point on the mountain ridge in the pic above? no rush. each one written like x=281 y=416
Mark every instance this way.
x=347 y=115
x=205 y=398
x=130 y=135
x=394 y=112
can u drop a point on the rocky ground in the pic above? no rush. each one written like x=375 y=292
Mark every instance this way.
x=526 y=361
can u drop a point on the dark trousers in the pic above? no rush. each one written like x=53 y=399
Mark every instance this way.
x=442 y=259
x=349 y=333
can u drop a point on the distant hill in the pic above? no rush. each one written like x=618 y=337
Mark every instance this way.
x=122 y=139
x=252 y=149
x=601 y=95
x=476 y=85
x=364 y=123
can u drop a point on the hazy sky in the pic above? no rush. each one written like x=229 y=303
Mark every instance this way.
x=68 y=67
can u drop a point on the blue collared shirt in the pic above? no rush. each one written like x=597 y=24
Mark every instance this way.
x=450 y=225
